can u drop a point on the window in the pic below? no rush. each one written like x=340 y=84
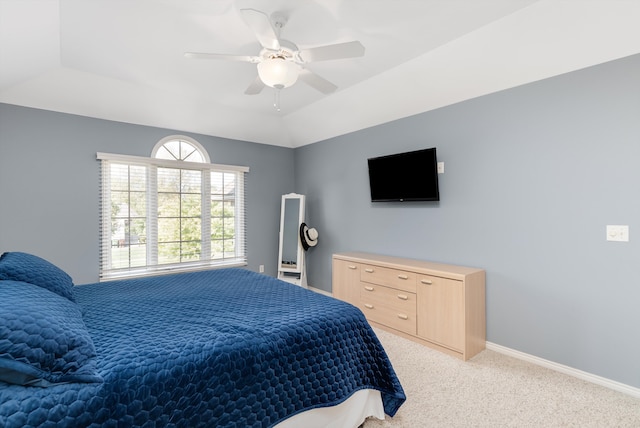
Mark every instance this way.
x=172 y=212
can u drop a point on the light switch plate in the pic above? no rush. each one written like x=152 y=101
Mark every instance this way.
x=440 y=168
x=619 y=233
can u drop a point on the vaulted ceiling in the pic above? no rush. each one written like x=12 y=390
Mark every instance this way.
x=124 y=60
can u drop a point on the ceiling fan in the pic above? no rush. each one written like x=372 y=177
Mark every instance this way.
x=280 y=63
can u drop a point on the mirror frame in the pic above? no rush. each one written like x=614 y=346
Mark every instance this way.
x=300 y=251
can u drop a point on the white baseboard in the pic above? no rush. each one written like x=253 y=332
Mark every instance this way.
x=598 y=380
x=319 y=291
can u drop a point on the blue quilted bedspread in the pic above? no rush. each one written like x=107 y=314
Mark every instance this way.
x=217 y=348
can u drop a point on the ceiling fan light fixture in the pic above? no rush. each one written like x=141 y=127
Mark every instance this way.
x=278 y=73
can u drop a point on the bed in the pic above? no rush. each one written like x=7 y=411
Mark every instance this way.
x=225 y=347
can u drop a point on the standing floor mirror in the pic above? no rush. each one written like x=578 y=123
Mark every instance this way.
x=291 y=266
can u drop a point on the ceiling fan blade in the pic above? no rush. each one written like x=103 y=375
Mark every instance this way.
x=316 y=82
x=260 y=23
x=336 y=51
x=203 y=55
x=255 y=87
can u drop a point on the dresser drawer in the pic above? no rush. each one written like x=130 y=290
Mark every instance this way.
x=395 y=278
x=388 y=306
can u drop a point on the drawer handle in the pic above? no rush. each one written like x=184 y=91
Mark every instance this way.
x=352 y=267
x=426 y=281
x=368 y=288
x=368 y=270
x=403 y=317
x=403 y=277
x=403 y=297
x=368 y=306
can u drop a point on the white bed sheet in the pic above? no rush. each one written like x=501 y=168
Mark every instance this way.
x=350 y=413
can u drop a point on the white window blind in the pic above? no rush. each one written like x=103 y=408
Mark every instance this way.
x=164 y=216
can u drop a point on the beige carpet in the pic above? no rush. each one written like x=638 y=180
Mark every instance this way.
x=495 y=390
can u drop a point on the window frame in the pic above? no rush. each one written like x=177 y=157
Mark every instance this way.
x=107 y=272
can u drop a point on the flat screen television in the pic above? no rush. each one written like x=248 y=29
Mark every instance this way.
x=410 y=176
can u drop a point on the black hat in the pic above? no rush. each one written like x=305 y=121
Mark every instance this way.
x=308 y=236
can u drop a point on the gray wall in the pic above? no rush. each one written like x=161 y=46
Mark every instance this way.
x=49 y=184
x=532 y=177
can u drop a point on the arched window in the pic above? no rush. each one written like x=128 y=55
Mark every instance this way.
x=174 y=211
x=178 y=147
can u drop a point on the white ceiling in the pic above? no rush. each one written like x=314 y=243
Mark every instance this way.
x=123 y=60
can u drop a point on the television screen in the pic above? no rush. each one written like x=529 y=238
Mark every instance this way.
x=410 y=176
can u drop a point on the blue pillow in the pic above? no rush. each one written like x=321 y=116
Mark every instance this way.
x=25 y=267
x=43 y=339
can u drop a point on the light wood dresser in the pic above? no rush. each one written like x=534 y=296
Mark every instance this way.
x=441 y=306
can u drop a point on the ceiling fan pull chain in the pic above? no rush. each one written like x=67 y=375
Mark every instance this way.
x=276 y=99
